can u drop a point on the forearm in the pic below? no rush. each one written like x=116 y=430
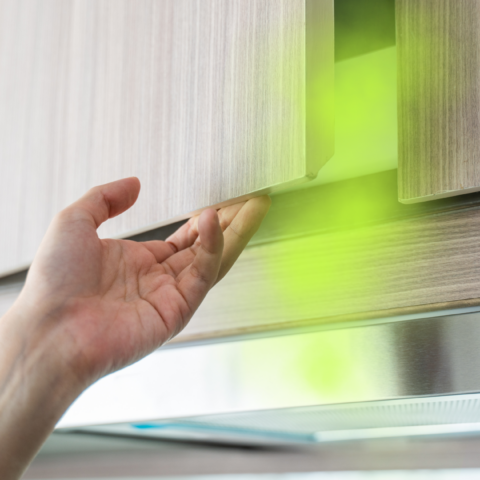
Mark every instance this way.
x=90 y=306
x=36 y=387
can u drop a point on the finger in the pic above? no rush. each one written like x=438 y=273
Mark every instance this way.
x=227 y=214
x=178 y=263
x=185 y=236
x=241 y=229
x=203 y=272
x=186 y=240
x=160 y=250
x=107 y=201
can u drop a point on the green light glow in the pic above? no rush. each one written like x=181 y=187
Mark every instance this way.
x=320 y=369
x=331 y=265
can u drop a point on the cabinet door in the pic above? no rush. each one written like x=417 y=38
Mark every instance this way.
x=439 y=98
x=206 y=102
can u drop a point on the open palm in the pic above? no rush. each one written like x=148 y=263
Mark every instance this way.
x=114 y=301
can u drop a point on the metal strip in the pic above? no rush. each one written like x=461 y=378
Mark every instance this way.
x=416 y=357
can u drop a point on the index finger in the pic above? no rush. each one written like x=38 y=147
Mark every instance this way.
x=241 y=229
x=203 y=271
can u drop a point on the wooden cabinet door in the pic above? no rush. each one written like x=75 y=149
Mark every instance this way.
x=206 y=102
x=439 y=98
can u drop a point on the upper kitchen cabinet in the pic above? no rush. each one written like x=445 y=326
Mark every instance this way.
x=438 y=50
x=207 y=102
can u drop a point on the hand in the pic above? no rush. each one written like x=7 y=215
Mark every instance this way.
x=92 y=306
x=111 y=302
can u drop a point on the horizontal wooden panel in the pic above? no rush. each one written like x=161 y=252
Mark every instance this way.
x=348 y=204
x=366 y=257
x=203 y=101
x=347 y=274
x=439 y=97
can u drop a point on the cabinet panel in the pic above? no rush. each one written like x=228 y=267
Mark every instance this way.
x=438 y=52
x=316 y=261
x=380 y=271
x=203 y=101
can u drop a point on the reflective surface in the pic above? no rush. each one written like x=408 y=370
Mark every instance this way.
x=429 y=356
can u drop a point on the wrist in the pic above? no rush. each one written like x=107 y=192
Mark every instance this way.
x=31 y=356
x=36 y=387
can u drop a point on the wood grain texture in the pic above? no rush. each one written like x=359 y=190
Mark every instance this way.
x=380 y=270
x=203 y=101
x=307 y=269
x=438 y=48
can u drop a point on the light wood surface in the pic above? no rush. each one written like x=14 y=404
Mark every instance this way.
x=384 y=270
x=203 y=101
x=438 y=50
x=306 y=268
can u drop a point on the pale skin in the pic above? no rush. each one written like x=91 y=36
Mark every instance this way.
x=90 y=306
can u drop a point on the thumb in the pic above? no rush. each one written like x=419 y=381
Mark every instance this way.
x=107 y=201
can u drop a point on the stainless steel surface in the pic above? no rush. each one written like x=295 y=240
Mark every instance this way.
x=444 y=415
x=417 y=357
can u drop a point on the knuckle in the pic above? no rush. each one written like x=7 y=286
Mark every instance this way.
x=223 y=224
x=68 y=214
x=197 y=274
x=237 y=233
